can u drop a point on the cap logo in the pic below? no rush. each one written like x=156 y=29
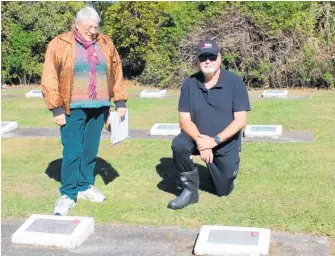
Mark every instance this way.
x=207 y=45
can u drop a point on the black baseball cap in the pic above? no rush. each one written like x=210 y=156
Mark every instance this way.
x=207 y=46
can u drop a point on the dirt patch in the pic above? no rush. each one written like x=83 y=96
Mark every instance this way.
x=274 y=249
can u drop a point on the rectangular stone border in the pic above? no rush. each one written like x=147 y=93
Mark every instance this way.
x=155 y=132
x=270 y=94
x=249 y=133
x=83 y=230
x=12 y=125
x=152 y=94
x=203 y=247
x=31 y=94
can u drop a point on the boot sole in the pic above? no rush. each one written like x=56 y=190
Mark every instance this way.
x=181 y=206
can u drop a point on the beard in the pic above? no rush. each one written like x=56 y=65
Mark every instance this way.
x=208 y=71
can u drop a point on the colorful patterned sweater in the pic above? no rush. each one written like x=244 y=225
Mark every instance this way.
x=80 y=97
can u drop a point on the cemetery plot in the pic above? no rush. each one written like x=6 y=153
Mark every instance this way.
x=225 y=240
x=55 y=231
x=268 y=131
x=34 y=94
x=153 y=93
x=8 y=126
x=165 y=130
x=279 y=94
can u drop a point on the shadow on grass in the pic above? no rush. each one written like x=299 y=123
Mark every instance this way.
x=102 y=168
x=171 y=182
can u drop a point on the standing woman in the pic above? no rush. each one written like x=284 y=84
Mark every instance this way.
x=82 y=73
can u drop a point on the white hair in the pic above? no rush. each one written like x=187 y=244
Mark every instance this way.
x=87 y=13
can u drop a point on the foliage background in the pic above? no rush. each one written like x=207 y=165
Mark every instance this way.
x=270 y=44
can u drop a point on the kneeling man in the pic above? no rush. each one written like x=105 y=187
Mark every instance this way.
x=212 y=109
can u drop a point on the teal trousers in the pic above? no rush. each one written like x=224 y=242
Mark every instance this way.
x=80 y=137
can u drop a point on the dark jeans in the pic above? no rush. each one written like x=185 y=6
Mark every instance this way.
x=80 y=138
x=223 y=169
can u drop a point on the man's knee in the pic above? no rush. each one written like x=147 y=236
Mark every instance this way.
x=180 y=144
x=226 y=191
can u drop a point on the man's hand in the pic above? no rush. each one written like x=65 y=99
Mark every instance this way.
x=60 y=120
x=205 y=142
x=206 y=155
x=122 y=112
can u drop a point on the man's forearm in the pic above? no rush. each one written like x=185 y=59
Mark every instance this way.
x=190 y=129
x=233 y=128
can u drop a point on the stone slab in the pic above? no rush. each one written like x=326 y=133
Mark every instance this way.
x=34 y=94
x=153 y=93
x=54 y=231
x=8 y=126
x=232 y=241
x=277 y=94
x=165 y=129
x=267 y=131
x=125 y=240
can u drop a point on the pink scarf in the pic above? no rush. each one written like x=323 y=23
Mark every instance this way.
x=93 y=61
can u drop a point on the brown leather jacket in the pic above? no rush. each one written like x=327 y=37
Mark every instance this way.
x=58 y=71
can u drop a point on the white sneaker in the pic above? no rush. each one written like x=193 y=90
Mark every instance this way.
x=92 y=193
x=63 y=205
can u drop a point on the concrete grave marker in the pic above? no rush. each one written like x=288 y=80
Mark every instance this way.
x=153 y=93
x=55 y=231
x=34 y=94
x=165 y=129
x=8 y=126
x=269 y=131
x=279 y=94
x=233 y=241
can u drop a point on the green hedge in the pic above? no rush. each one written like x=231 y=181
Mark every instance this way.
x=270 y=44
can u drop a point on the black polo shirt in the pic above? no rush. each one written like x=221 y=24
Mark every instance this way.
x=212 y=110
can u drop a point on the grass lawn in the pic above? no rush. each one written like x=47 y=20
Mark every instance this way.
x=32 y=112
x=285 y=187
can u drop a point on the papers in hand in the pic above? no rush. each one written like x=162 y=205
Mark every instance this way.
x=119 y=127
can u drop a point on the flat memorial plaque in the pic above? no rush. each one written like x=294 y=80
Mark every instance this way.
x=65 y=227
x=165 y=130
x=8 y=126
x=280 y=94
x=268 y=131
x=153 y=93
x=225 y=240
x=55 y=231
x=237 y=237
x=34 y=94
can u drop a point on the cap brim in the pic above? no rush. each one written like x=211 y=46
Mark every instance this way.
x=211 y=51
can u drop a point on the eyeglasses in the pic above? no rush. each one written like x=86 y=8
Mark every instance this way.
x=205 y=57
x=89 y=28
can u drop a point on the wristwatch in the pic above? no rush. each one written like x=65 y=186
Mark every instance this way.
x=217 y=139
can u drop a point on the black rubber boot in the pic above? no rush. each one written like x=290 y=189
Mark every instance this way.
x=190 y=194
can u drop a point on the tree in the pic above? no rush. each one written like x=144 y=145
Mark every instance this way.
x=27 y=28
x=134 y=26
